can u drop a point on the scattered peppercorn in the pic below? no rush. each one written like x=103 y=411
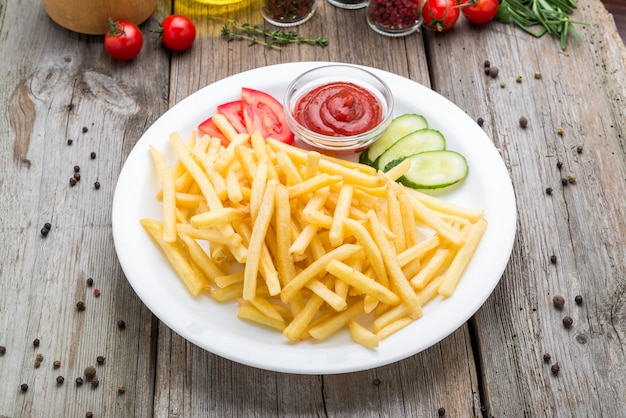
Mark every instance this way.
x=121 y=324
x=96 y=185
x=36 y=342
x=376 y=381
x=72 y=181
x=56 y=364
x=578 y=299
x=523 y=122
x=44 y=231
x=47 y=225
x=79 y=380
x=24 y=387
x=60 y=380
x=121 y=389
x=555 y=369
x=90 y=372
x=502 y=84
x=77 y=176
x=559 y=165
x=547 y=357
x=69 y=141
x=493 y=72
x=579 y=149
x=100 y=359
x=85 y=129
x=39 y=357
x=568 y=321
x=80 y=305
x=558 y=301
x=480 y=121
x=3 y=350
x=96 y=293
x=518 y=79
x=560 y=130
x=37 y=364
x=441 y=411
x=564 y=181
x=92 y=155
x=90 y=282
x=549 y=190
x=486 y=70
x=553 y=259
x=89 y=415
x=537 y=75
x=487 y=64
x=94 y=383
x=571 y=177
x=76 y=169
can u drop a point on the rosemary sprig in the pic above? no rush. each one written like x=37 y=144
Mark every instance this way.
x=538 y=17
x=270 y=38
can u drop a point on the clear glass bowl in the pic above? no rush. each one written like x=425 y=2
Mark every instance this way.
x=326 y=74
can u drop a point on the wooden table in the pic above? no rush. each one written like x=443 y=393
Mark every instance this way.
x=58 y=85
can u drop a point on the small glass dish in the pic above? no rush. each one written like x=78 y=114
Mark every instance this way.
x=338 y=143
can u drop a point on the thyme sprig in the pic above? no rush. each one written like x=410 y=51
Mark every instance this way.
x=538 y=17
x=274 y=39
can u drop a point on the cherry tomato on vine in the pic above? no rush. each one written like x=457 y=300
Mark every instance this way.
x=177 y=32
x=440 y=15
x=479 y=11
x=123 y=40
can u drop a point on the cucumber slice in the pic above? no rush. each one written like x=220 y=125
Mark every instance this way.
x=399 y=127
x=434 y=170
x=413 y=143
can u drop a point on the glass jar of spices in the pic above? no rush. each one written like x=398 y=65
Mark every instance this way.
x=349 y=4
x=287 y=12
x=394 y=17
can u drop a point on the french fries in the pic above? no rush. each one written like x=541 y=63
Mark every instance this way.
x=307 y=244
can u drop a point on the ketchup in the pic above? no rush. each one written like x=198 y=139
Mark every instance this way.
x=338 y=109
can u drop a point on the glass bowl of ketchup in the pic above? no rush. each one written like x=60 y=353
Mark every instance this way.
x=338 y=108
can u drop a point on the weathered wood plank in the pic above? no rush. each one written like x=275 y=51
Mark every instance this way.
x=580 y=223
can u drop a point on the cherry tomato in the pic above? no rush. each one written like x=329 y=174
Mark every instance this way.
x=440 y=15
x=123 y=40
x=178 y=32
x=479 y=11
x=264 y=113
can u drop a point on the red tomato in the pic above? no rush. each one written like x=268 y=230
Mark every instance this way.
x=233 y=111
x=209 y=128
x=178 y=32
x=264 y=113
x=123 y=40
x=479 y=11
x=440 y=15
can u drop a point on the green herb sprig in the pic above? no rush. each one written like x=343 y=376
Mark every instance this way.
x=274 y=39
x=538 y=17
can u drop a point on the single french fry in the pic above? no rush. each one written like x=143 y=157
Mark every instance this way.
x=219 y=216
x=251 y=313
x=261 y=152
x=296 y=329
x=394 y=327
x=374 y=256
x=331 y=298
x=228 y=293
x=430 y=218
x=193 y=283
x=312 y=162
x=462 y=258
x=258 y=188
x=266 y=308
x=313 y=184
x=398 y=171
x=282 y=229
x=361 y=282
x=227 y=157
x=328 y=327
x=224 y=126
x=418 y=251
x=210 y=269
x=473 y=215
x=169 y=204
x=257 y=238
x=228 y=279
x=211 y=235
x=188 y=200
x=408 y=219
x=342 y=211
x=431 y=268
x=233 y=186
x=362 y=335
x=292 y=175
x=394 y=219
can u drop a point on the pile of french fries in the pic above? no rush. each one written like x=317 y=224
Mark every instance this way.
x=307 y=244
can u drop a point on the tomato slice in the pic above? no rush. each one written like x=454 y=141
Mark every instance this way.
x=208 y=127
x=263 y=113
x=233 y=111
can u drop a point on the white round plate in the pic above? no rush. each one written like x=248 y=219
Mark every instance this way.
x=215 y=327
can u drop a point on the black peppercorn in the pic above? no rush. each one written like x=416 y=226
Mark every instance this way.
x=44 y=231
x=77 y=176
x=487 y=64
x=92 y=155
x=567 y=321
x=69 y=141
x=523 y=122
x=100 y=359
x=480 y=121
x=94 y=383
x=559 y=165
x=76 y=169
x=376 y=381
x=60 y=380
x=121 y=324
x=564 y=181
x=547 y=357
x=37 y=364
x=56 y=364
x=555 y=369
x=553 y=259
x=80 y=305
x=549 y=190
x=89 y=415
x=3 y=350
x=79 y=380
x=72 y=181
x=36 y=342
x=578 y=299
x=579 y=149
x=96 y=185
x=558 y=301
x=24 y=387
x=47 y=226
x=85 y=129
x=90 y=282
x=441 y=411
x=486 y=70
